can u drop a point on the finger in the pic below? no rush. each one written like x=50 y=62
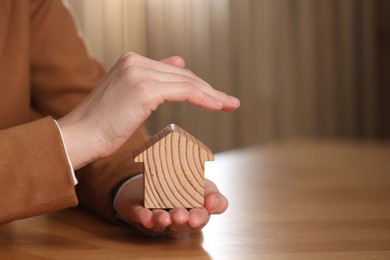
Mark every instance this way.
x=176 y=65
x=215 y=202
x=166 y=87
x=198 y=218
x=229 y=102
x=140 y=215
x=172 y=64
x=142 y=73
x=161 y=219
x=133 y=61
x=179 y=216
x=176 y=61
x=182 y=92
x=179 y=226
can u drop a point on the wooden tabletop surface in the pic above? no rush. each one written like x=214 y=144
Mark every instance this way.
x=295 y=200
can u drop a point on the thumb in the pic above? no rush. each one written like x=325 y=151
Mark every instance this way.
x=176 y=61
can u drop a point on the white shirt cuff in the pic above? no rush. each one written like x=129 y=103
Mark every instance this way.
x=67 y=156
x=140 y=175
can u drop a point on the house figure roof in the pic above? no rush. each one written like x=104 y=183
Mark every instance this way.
x=173 y=169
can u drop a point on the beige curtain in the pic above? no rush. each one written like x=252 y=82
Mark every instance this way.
x=301 y=68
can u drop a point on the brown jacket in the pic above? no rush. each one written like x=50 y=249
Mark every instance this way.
x=45 y=71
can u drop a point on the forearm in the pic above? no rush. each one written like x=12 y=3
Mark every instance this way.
x=35 y=174
x=78 y=140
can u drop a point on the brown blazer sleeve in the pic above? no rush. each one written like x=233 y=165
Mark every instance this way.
x=63 y=73
x=34 y=172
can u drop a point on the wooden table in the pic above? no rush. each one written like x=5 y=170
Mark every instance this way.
x=296 y=200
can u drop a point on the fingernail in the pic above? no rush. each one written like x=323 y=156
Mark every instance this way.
x=234 y=100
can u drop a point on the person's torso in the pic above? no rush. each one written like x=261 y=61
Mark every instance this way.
x=15 y=101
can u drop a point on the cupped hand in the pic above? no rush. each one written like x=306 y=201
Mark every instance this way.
x=174 y=223
x=133 y=88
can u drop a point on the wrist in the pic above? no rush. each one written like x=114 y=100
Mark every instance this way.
x=76 y=139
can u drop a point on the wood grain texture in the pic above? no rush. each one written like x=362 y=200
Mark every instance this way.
x=173 y=169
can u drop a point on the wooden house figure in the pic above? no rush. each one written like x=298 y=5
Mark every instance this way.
x=174 y=164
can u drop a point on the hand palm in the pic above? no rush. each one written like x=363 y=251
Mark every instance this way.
x=173 y=223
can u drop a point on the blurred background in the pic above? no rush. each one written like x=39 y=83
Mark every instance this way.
x=302 y=68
